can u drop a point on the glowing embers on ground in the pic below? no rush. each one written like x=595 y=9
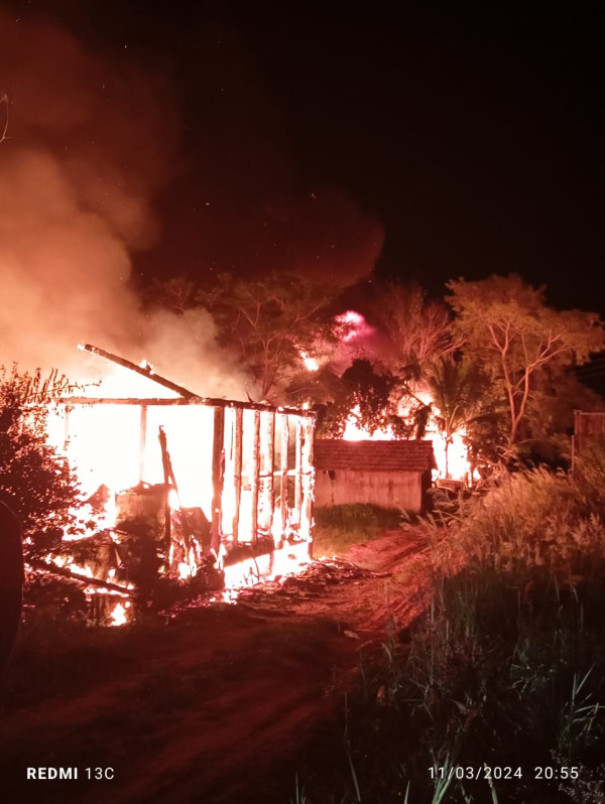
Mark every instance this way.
x=274 y=567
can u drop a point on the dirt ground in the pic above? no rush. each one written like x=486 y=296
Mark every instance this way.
x=215 y=710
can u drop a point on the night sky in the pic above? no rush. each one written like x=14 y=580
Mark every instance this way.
x=452 y=140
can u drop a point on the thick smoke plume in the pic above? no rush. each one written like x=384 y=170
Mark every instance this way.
x=92 y=149
x=91 y=142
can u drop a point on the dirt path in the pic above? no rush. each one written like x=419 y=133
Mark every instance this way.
x=216 y=709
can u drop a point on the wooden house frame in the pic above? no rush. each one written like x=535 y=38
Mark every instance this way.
x=254 y=475
x=276 y=466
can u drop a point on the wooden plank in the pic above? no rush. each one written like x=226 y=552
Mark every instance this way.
x=268 y=469
x=237 y=469
x=218 y=472
x=127 y=400
x=169 y=482
x=285 y=440
x=298 y=493
x=254 y=475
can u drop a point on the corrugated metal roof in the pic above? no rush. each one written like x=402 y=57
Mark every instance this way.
x=374 y=456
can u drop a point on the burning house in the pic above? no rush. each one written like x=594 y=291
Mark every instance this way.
x=223 y=482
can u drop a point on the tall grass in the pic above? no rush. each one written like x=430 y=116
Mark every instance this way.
x=507 y=665
x=340 y=526
x=530 y=520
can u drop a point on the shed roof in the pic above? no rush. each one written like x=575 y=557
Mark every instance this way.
x=374 y=456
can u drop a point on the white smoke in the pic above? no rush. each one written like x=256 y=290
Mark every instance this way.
x=90 y=144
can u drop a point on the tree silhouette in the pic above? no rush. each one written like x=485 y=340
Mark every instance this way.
x=508 y=330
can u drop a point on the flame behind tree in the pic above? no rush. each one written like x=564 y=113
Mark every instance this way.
x=368 y=397
x=510 y=332
x=461 y=393
x=270 y=321
x=417 y=329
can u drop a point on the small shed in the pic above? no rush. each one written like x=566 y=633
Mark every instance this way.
x=390 y=474
x=589 y=430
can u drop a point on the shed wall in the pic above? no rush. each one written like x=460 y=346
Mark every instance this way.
x=401 y=490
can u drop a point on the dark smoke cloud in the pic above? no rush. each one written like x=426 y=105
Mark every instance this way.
x=246 y=205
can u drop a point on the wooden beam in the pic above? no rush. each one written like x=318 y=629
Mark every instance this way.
x=169 y=483
x=269 y=468
x=144 y=371
x=298 y=493
x=194 y=400
x=64 y=572
x=218 y=476
x=69 y=401
x=237 y=469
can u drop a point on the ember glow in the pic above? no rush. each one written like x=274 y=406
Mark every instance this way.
x=354 y=432
x=353 y=325
x=311 y=363
x=119 y=615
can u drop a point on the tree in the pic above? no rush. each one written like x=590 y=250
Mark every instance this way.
x=178 y=295
x=508 y=330
x=460 y=393
x=417 y=329
x=270 y=322
x=39 y=483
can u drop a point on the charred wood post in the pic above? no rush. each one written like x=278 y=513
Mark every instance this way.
x=238 y=440
x=298 y=481
x=267 y=453
x=169 y=482
x=255 y=475
x=218 y=475
x=308 y=474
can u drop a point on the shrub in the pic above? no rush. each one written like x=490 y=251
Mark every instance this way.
x=36 y=480
x=534 y=519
